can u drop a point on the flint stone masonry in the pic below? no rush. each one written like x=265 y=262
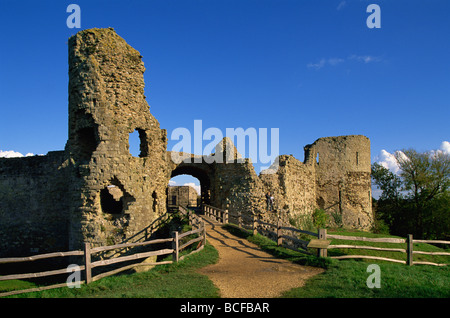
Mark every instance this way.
x=33 y=205
x=182 y=195
x=95 y=191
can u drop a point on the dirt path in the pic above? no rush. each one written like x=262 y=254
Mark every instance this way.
x=245 y=271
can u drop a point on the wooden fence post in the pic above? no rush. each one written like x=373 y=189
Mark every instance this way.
x=240 y=218
x=227 y=208
x=225 y=216
x=279 y=236
x=87 y=262
x=204 y=233
x=409 y=250
x=322 y=235
x=190 y=217
x=255 y=224
x=175 y=246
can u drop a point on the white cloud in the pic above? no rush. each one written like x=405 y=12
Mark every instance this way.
x=13 y=154
x=195 y=186
x=365 y=58
x=341 y=5
x=318 y=65
x=333 y=61
x=388 y=161
x=445 y=147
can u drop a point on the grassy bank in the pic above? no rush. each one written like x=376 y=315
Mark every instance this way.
x=347 y=278
x=177 y=280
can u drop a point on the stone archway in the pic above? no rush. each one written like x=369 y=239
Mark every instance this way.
x=203 y=172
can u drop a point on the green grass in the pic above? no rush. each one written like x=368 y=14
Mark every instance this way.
x=15 y=284
x=177 y=280
x=347 y=278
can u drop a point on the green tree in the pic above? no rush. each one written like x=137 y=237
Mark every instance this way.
x=416 y=200
x=389 y=204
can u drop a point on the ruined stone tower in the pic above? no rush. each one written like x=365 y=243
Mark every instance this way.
x=342 y=168
x=116 y=194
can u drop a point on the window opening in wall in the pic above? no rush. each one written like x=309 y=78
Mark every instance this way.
x=317 y=158
x=155 y=201
x=137 y=142
x=111 y=200
x=85 y=139
x=357 y=158
x=87 y=142
x=114 y=199
x=320 y=203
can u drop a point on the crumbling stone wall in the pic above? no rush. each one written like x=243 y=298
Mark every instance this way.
x=343 y=184
x=335 y=177
x=106 y=104
x=33 y=208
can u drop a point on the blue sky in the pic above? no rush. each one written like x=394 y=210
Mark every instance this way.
x=310 y=68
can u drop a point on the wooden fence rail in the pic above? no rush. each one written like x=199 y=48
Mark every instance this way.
x=255 y=223
x=219 y=215
x=87 y=252
x=409 y=248
x=322 y=244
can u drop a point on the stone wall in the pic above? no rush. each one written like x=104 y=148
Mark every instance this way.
x=343 y=184
x=182 y=195
x=33 y=204
x=335 y=177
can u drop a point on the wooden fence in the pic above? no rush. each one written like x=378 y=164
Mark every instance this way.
x=409 y=250
x=321 y=241
x=176 y=239
x=275 y=231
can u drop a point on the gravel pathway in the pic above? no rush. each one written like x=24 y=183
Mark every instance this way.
x=245 y=271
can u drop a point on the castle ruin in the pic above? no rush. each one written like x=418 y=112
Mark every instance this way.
x=96 y=191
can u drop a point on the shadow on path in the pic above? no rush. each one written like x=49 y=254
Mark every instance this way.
x=245 y=271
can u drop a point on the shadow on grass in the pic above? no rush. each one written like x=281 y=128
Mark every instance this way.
x=271 y=247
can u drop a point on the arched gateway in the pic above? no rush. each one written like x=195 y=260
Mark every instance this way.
x=204 y=172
